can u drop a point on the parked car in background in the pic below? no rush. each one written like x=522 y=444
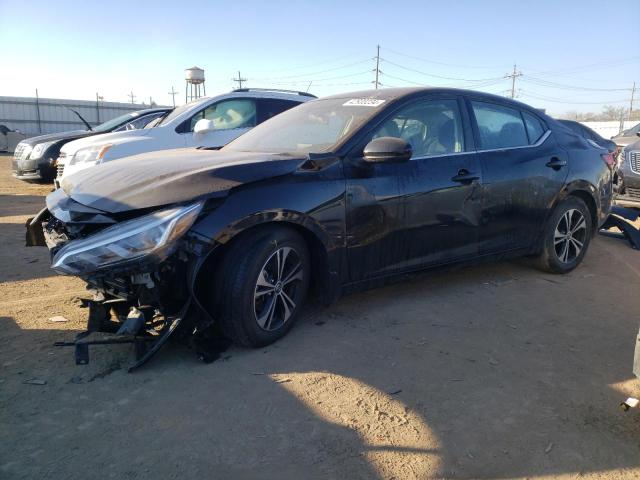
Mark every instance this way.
x=627 y=136
x=628 y=175
x=207 y=122
x=10 y=138
x=35 y=157
x=338 y=193
x=591 y=136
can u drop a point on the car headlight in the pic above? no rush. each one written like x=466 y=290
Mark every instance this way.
x=93 y=154
x=152 y=236
x=39 y=150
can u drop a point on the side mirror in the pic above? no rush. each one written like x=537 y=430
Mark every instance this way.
x=203 y=126
x=387 y=150
x=638 y=134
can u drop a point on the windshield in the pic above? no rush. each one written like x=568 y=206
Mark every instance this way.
x=115 y=122
x=632 y=131
x=313 y=127
x=179 y=111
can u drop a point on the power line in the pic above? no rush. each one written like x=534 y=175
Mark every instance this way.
x=405 y=80
x=307 y=80
x=132 y=97
x=439 y=63
x=564 y=100
x=439 y=76
x=323 y=62
x=594 y=66
x=309 y=74
x=547 y=83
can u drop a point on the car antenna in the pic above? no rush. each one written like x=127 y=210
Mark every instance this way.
x=80 y=117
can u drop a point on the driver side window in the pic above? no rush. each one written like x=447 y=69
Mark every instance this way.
x=431 y=127
x=228 y=114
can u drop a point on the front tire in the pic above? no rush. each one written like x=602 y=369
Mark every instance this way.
x=262 y=286
x=566 y=236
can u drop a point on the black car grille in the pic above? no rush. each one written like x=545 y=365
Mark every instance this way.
x=22 y=150
x=20 y=154
x=60 y=170
x=634 y=161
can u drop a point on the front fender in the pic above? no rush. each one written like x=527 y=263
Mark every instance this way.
x=316 y=206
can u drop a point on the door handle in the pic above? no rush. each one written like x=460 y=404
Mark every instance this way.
x=556 y=163
x=465 y=176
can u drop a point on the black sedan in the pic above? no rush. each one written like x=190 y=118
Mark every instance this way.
x=336 y=194
x=35 y=157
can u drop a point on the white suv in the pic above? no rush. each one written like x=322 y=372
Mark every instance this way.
x=207 y=122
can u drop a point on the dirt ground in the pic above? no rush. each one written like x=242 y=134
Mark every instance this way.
x=494 y=371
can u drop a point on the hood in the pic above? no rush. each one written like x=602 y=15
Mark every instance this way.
x=171 y=176
x=33 y=141
x=624 y=141
x=631 y=146
x=97 y=139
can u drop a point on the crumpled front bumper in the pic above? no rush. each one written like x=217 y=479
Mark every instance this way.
x=162 y=294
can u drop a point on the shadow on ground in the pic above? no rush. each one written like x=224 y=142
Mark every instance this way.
x=495 y=371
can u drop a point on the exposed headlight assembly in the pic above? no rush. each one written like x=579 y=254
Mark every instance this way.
x=152 y=236
x=93 y=154
x=39 y=150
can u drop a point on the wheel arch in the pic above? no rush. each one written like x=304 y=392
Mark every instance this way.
x=587 y=193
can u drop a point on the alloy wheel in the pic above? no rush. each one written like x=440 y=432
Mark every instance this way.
x=570 y=235
x=277 y=289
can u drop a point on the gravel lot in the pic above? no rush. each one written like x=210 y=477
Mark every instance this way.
x=494 y=371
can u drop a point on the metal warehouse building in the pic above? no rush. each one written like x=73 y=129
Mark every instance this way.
x=35 y=116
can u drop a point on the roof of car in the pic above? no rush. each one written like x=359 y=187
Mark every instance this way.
x=144 y=111
x=391 y=94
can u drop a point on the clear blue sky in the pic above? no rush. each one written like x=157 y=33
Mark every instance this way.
x=73 y=49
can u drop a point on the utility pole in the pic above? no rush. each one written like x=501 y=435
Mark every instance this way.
x=513 y=77
x=377 y=70
x=239 y=80
x=98 y=98
x=173 y=94
x=633 y=91
x=38 y=111
x=132 y=97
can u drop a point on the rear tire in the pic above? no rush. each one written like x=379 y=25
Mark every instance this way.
x=261 y=286
x=566 y=236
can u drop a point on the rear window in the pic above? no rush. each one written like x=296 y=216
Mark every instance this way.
x=535 y=129
x=499 y=127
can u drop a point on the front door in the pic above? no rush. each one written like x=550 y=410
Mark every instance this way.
x=421 y=212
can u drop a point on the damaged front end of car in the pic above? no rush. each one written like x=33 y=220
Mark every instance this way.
x=140 y=267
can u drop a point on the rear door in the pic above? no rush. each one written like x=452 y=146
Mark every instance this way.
x=523 y=170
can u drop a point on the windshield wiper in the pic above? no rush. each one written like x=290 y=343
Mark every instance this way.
x=80 y=117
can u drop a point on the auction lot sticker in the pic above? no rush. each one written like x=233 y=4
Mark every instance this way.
x=363 y=102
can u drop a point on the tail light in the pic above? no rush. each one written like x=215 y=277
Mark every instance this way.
x=609 y=159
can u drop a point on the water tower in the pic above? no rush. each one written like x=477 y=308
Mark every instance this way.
x=194 y=77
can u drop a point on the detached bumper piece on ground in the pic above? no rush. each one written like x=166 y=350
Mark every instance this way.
x=146 y=336
x=621 y=218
